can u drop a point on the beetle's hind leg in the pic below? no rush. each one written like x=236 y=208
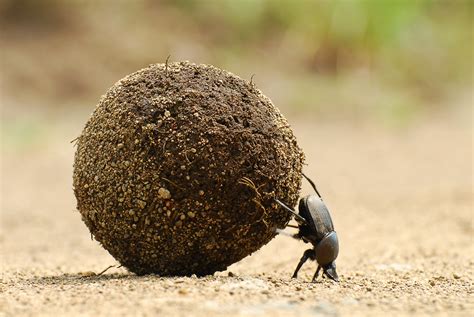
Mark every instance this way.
x=308 y=254
x=312 y=185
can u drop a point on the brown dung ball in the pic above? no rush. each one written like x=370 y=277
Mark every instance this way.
x=176 y=170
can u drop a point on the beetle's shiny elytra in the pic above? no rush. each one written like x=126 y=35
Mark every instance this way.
x=316 y=227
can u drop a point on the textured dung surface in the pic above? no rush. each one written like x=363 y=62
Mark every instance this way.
x=176 y=170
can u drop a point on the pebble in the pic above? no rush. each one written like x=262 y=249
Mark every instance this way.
x=141 y=204
x=164 y=193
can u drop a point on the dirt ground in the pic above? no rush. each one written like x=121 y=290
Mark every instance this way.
x=401 y=200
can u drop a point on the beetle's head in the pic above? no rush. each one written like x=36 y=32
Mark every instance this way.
x=326 y=253
x=330 y=271
x=327 y=249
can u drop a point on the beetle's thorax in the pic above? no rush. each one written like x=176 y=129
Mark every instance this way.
x=317 y=216
x=327 y=249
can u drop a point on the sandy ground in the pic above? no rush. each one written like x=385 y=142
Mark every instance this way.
x=401 y=200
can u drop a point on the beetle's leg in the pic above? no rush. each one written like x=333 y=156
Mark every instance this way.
x=308 y=254
x=282 y=232
x=298 y=217
x=312 y=185
x=315 y=276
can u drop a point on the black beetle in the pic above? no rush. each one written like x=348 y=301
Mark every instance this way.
x=315 y=226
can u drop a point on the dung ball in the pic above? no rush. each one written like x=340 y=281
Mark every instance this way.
x=176 y=171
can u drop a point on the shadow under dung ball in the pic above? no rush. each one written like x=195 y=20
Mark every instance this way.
x=176 y=170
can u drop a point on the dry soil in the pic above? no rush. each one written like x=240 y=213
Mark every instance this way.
x=401 y=200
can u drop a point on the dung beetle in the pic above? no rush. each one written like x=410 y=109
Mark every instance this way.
x=315 y=226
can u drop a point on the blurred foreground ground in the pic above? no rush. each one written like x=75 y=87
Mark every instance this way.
x=401 y=201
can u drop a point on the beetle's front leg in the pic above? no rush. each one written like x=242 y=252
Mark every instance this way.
x=308 y=254
x=315 y=276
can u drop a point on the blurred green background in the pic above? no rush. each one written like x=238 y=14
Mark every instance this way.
x=389 y=62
